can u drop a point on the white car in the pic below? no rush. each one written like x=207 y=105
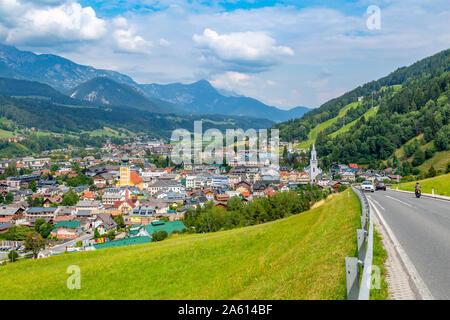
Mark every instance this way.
x=367 y=186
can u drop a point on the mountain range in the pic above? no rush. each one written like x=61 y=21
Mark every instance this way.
x=115 y=89
x=60 y=73
x=105 y=91
x=202 y=97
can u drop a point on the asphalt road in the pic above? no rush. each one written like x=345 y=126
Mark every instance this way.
x=422 y=226
x=62 y=247
x=56 y=249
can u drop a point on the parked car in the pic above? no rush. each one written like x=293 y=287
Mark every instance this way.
x=367 y=186
x=380 y=186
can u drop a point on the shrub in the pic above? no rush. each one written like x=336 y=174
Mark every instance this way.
x=431 y=172
x=13 y=256
x=111 y=235
x=34 y=243
x=159 y=235
x=429 y=153
x=419 y=158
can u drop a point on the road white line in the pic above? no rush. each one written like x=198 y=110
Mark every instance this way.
x=426 y=195
x=421 y=287
x=400 y=201
x=377 y=203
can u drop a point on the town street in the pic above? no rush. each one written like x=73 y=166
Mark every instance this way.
x=422 y=226
x=62 y=247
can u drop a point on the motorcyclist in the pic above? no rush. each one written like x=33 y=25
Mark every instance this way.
x=417 y=189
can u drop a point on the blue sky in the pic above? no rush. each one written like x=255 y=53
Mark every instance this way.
x=284 y=53
x=106 y=8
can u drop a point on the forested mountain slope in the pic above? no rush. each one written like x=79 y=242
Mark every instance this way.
x=63 y=119
x=411 y=101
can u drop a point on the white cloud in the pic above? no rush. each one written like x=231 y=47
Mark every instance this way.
x=231 y=80
x=126 y=38
x=128 y=41
x=120 y=22
x=164 y=43
x=248 y=85
x=51 y=24
x=242 y=48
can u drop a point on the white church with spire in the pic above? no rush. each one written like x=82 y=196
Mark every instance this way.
x=313 y=168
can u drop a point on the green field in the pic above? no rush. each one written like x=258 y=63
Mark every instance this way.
x=300 y=257
x=441 y=185
x=400 y=152
x=438 y=161
x=368 y=114
x=106 y=131
x=322 y=126
x=6 y=134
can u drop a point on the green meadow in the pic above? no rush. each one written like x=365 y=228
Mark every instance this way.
x=441 y=185
x=300 y=257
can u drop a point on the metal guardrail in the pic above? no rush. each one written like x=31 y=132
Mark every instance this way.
x=355 y=290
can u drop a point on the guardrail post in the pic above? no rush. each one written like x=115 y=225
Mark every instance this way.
x=352 y=278
x=365 y=254
x=363 y=222
x=361 y=236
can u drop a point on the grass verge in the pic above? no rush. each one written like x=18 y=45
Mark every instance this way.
x=441 y=185
x=379 y=260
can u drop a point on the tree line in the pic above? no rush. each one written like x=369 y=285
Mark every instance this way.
x=211 y=218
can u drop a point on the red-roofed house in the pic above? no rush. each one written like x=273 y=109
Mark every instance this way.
x=125 y=207
x=222 y=197
x=136 y=181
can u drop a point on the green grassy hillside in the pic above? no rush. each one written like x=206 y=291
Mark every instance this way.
x=340 y=118
x=441 y=185
x=300 y=257
x=438 y=161
x=322 y=126
x=370 y=113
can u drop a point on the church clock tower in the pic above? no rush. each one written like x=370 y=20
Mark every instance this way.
x=124 y=172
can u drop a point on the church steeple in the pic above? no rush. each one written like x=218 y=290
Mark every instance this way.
x=313 y=153
x=313 y=169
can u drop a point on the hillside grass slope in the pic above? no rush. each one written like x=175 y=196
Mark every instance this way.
x=441 y=185
x=300 y=257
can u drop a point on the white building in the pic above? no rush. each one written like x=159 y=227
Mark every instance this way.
x=174 y=186
x=313 y=168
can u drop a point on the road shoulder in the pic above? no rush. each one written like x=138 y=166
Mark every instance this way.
x=403 y=266
x=397 y=278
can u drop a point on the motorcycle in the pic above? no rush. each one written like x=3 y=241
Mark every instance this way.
x=418 y=193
